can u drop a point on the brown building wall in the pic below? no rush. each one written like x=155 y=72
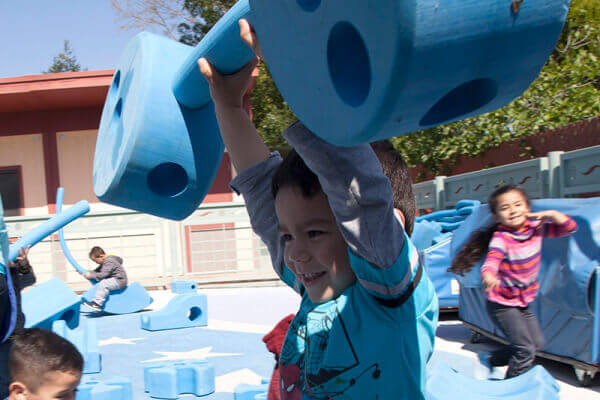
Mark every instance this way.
x=567 y=138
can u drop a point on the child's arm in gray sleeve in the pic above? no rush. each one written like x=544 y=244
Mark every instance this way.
x=254 y=183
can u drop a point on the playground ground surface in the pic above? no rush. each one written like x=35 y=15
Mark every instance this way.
x=238 y=318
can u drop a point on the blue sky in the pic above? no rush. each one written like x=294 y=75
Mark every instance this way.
x=32 y=32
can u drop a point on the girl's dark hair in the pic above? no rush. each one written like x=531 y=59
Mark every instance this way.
x=294 y=172
x=477 y=246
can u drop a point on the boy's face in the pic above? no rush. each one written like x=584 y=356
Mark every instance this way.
x=58 y=385
x=315 y=250
x=98 y=259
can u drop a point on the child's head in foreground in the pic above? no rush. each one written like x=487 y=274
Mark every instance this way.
x=43 y=366
x=97 y=255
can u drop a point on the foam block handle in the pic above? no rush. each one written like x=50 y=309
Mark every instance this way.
x=223 y=48
x=55 y=223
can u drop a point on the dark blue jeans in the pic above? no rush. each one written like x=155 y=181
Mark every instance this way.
x=524 y=334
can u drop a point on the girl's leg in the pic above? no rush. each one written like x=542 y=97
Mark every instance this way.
x=515 y=325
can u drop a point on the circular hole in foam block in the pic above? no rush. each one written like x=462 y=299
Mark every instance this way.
x=309 y=5
x=117 y=132
x=461 y=100
x=349 y=67
x=195 y=312
x=114 y=87
x=167 y=179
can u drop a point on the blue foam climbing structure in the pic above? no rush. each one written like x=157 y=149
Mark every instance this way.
x=445 y=383
x=115 y=388
x=131 y=299
x=48 y=302
x=183 y=311
x=85 y=338
x=436 y=261
x=181 y=287
x=167 y=380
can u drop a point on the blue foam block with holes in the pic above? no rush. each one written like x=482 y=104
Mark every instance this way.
x=183 y=311
x=244 y=391
x=115 y=388
x=131 y=299
x=85 y=338
x=181 y=287
x=167 y=380
x=48 y=302
x=535 y=384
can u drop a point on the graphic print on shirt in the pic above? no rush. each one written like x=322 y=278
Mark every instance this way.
x=321 y=364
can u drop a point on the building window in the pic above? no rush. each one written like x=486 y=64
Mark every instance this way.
x=10 y=190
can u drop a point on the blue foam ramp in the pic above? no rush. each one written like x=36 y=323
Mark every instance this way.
x=131 y=299
x=181 y=287
x=436 y=261
x=167 y=380
x=244 y=391
x=183 y=311
x=85 y=338
x=115 y=388
x=48 y=302
x=444 y=383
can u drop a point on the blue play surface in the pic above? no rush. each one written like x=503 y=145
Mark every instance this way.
x=231 y=341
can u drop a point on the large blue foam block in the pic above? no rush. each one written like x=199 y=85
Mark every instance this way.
x=183 y=311
x=85 y=338
x=444 y=383
x=48 y=302
x=181 y=287
x=167 y=380
x=396 y=68
x=436 y=261
x=132 y=298
x=115 y=388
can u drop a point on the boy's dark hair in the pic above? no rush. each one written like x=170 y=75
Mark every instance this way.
x=294 y=172
x=96 y=252
x=477 y=246
x=396 y=169
x=36 y=352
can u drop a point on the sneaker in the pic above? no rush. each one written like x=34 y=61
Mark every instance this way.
x=93 y=305
x=484 y=358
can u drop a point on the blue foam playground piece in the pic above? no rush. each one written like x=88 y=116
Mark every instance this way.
x=115 y=388
x=167 y=380
x=183 y=311
x=85 y=338
x=131 y=299
x=444 y=383
x=181 y=287
x=48 y=302
x=262 y=396
x=244 y=391
x=158 y=145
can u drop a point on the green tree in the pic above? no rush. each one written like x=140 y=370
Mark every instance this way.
x=65 y=61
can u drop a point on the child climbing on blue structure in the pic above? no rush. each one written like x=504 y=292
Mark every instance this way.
x=110 y=274
x=43 y=366
x=22 y=276
x=512 y=248
x=367 y=319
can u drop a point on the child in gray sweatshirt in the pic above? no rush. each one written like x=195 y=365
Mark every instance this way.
x=110 y=274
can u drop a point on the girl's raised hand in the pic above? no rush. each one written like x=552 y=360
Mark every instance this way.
x=548 y=215
x=227 y=90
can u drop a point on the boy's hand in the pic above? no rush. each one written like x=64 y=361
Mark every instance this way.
x=228 y=90
x=489 y=281
x=23 y=252
x=249 y=37
x=548 y=215
x=87 y=275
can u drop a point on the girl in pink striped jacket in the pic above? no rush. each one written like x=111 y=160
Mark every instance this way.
x=509 y=273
